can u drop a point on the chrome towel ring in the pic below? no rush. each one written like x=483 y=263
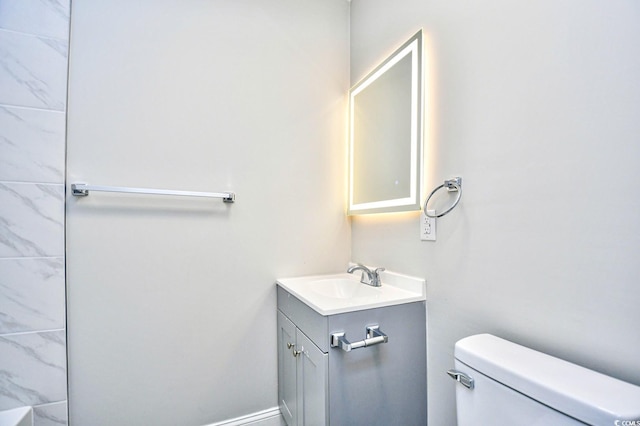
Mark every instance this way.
x=452 y=185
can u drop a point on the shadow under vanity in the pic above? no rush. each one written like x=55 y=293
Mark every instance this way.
x=334 y=369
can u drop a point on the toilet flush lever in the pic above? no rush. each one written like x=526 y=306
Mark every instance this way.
x=462 y=378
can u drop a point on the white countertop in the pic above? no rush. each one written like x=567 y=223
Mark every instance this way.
x=339 y=293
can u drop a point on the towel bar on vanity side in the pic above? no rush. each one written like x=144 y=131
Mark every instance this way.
x=82 y=190
x=374 y=337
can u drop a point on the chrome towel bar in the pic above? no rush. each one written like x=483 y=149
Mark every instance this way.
x=82 y=190
x=374 y=337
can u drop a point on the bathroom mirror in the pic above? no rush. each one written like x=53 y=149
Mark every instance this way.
x=385 y=134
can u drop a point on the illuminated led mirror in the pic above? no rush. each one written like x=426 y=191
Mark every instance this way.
x=385 y=134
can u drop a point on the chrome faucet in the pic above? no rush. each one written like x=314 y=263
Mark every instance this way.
x=368 y=277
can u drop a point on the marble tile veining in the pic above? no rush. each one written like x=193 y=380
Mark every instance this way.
x=31 y=220
x=33 y=71
x=32 y=294
x=49 y=18
x=54 y=414
x=34 y=53
x=32 y=145
x=32 y=369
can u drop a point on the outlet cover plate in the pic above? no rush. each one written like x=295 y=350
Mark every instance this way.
x=427 y=226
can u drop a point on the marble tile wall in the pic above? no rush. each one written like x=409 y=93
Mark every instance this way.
x=33 y=86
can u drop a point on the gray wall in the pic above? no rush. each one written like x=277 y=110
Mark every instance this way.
x=33 y=81
x=536 y=105
x=172 y=301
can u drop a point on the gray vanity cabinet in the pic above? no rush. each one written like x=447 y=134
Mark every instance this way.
x=302 y=376
x=321 y=385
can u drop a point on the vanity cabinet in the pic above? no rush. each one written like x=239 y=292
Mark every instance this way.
x=302 y=374
x=382 y=384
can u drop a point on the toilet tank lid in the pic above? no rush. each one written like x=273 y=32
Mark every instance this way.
x=584 y=394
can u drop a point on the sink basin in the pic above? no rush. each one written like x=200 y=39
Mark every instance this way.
x=339 y=293
x=342 y=288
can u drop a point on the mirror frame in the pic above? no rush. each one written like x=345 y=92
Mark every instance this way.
x=412 y=47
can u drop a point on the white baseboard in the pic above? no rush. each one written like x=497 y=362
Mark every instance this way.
x=268 y=417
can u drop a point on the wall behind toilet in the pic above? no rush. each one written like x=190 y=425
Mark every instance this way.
x=536 y=105
x=171 y=301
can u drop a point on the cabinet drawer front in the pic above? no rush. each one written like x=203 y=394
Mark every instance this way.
x=305 y=318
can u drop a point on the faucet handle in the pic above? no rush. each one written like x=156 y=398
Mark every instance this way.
x=375 y=277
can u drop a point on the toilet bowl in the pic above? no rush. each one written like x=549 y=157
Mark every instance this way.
x=502 y=383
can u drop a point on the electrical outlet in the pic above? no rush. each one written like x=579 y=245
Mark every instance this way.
x=427 y=226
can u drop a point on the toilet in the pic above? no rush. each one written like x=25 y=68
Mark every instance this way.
x=502 y=383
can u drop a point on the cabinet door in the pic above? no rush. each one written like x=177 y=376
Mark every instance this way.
x=313 y=385
x=287 y=370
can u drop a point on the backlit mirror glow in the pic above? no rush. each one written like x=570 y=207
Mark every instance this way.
x=385 y=135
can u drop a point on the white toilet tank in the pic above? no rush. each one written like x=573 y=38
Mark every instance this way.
x=502 y=383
